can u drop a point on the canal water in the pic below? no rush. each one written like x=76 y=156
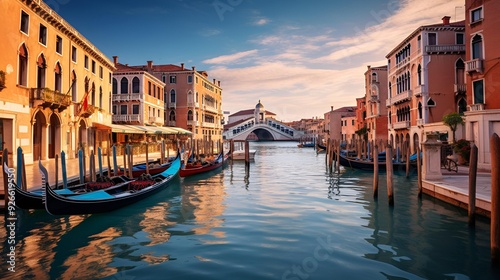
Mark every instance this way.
x=286 y=219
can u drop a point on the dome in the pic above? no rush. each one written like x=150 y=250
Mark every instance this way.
x=259 y=105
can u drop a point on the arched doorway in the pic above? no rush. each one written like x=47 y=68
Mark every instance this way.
x=416 y=142
x=54 y=136
x=38 y=135
x=82 y=135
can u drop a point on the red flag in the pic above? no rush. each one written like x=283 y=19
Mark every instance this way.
x=85 y=103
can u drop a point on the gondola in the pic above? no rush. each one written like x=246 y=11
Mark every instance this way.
x=33 y=199
x=368 y=165
x=139 y=169
x=190 y=168
x=111 y=198
x=320 y=147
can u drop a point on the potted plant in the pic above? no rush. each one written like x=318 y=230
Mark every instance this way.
x=2 y=80
x=462 y=149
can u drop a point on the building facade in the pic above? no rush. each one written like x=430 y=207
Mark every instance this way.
x=334 y=123
x=55 y=86
x=482 y=38
x=192 y=100
x=425 y=80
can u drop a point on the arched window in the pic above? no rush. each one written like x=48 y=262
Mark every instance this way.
x=477 y=46
x=171 y=117
x=135 y=85
x=57 y=78
x=460 y=72
x=124 y=85
x=172 y=96
x=462 y=106
x=408 y=85
x=100 y=97
x=419 y=75
x=190 y=115
x=390 y=89
x=22 y=75
x=41 y=67
x=93 y=95
x=115 y=86
x=374 y=78
x=420 y=110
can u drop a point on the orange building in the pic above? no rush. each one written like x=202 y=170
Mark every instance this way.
x=425 y=80
x=375 y=105
x=482 y=41
x=334 y=124
x=192 y=101
x=55 y=86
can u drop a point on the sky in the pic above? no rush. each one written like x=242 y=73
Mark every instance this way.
x=298 y=57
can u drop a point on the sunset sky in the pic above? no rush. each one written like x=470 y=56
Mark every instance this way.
x=298 y=57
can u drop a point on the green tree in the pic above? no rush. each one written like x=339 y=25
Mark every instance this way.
x=452 y=120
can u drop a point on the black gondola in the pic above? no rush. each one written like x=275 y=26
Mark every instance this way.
x=108 y=199
x=368 y=165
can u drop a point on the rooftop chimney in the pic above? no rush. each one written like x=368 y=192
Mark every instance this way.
x=150 y=64
x=182 y=66
x=446 y=20
x=331 y=108
x=218 y=83
x=194 y=68
x=115 y=60
x=214 y=81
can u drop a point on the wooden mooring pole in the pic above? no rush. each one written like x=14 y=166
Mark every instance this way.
x=375 y=171
x=407 y=160
x=419 y=172
x=147 y=159
x=389 y=171
x=495 y=200
x=57 y=171
x=5 y=163
x=472 y=184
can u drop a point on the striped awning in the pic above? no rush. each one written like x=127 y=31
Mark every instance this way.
x=140 y=129
x=181 y=130
x=119 y=128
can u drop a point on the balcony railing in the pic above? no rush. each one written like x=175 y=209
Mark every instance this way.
x=445 y=49
x=171 y=123
x=401 y=125
x=156 y=120
x=400 y=98
x=420 y=122
x=126 y=118
x=388 y=102
x=460 y=88
x=476 y=107
x=127 y=97
x=85 y=111
x=171 y=105
x=419 y=90
x=209 y=125
x=49 y=98
x=210 y=109
x=193 y=123
x=403 y=62
x=475 y=65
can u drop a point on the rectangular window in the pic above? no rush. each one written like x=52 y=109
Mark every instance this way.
x=25 y=22
x=114 y=109
x=123 y=109
x=110 y=78
x=93 y=66
x=419 y=42
x=190 y=79
x=74 y=53
x=173 y=79
x=149 y=88
x=101 y=72
x=135 y=109
x=476 y=15
x=59 y=45
x=459 y=38
x=432 y=39
x=478 y=88
x=42 y=36
x=86 y=62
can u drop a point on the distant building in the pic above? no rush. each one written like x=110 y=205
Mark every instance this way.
x=425 y=80
x=348 y=129
x=375 y=103
x=334 y=122
x=482 y=41
x=55 y=85
x=192 y=101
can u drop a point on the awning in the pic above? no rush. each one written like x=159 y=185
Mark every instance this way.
x=167 y=130
x=119 y=128
x=101 y=126
x=180 y=130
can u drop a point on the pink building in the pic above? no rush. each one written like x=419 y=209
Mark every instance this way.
x=425 y=80
x=334 y=123
x=482 y=41
x=375 y=97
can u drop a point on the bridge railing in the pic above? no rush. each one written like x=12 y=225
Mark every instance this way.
x=270 y=123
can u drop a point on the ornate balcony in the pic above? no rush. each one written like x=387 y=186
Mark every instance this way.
x=419 y=90
x=475 y=65
x=126 y=118
x=444 y=49
x=85 y=111
x=171 y=123
x=156 y=120
x=210 y=109
x=48 y=98
x=476 y=107
x=460 y=89
x=193 y=123
x=401 y=125
x=127 y=97
x=399 y=98
x=171 y=105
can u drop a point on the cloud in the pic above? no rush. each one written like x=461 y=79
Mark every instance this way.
x=210 y=32
x=301 y=71
x=261 y=21
x=232 y=58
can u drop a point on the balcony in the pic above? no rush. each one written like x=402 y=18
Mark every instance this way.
x=403 y=62
x=388 y=102
x=209 y=125
x=445 y=49
x=210 y=109
x=85 y=111
x=126 y=118
x=190 y=104
x=476 y=107
x=127 y=97
x=192 y=123
x=156 y=120
x=401 y=125
x=460 y=89
x=475 y=65
x=171 y=105
x=48 y=98
x=171 y=123
x=399 y=98
x=420 y=122
x=419 y=90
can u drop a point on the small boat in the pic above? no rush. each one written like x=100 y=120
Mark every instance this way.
x=240 y=154
x=368 y=165
x=306 y=145
x=193 y=168
x=154 y=168
x=111 y=198
x=320 y=147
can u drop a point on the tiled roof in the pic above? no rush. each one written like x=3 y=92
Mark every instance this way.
x=229 y=125
x=249 y=112
x=124 y=68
